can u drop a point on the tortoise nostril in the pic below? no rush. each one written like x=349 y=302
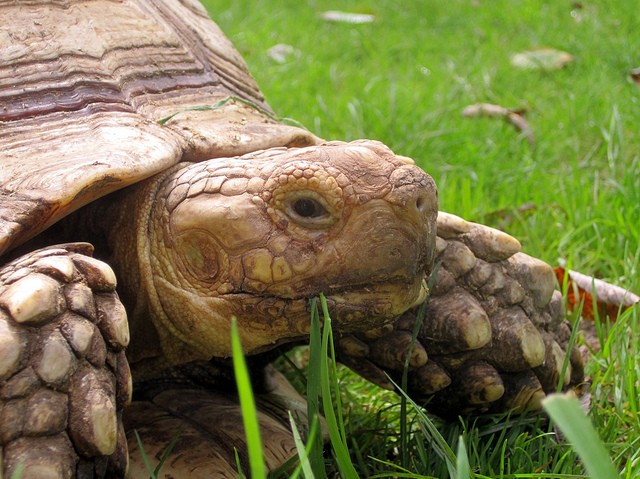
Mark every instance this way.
x=422 y=204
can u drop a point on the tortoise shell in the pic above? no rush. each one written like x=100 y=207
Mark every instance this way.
x=84 y=90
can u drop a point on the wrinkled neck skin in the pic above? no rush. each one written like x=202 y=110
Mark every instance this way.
x=255 y=237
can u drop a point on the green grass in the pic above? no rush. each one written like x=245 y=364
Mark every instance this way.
x=404 y=80
x=489 y=447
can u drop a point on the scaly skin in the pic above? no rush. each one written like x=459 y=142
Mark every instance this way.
x=64 y=378
x=493 y=337
x=252 y=237
x=255 y=237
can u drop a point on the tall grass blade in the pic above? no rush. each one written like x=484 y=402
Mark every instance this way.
x=404 y=436
x=566 y=412
x=305 y=465
x=238 y=464
x=462 y=461
x=166 y=453
x=248 y=405
x=335 y=424
x=17 y=473
x=328 y=334
x=314 y=387
x=145 y=458
x=435 y=439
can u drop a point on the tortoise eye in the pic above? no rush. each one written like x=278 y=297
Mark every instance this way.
x=309 y=208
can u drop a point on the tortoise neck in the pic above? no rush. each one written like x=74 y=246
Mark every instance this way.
x=136 y=251
x=125 y=226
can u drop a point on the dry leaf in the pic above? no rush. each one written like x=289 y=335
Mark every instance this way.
x=635 y=75
x=281 y=52
x=610 y=299
x=346 y=17
x=513 y=117
x=541 y=59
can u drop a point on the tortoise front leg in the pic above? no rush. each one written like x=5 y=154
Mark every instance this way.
x=493 y=337
x=64 y=378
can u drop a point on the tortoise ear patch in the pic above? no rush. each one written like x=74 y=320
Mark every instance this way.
x=200 y=255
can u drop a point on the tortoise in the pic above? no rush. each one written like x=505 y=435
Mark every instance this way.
x=134 y=130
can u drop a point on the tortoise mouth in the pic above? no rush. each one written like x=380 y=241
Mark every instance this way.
x=357 y=307
x=268 y=322
x=360 y=308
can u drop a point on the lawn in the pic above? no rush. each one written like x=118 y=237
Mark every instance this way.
x=572 y=196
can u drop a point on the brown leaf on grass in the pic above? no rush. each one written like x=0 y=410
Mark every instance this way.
x=347 y=17
x=541 y=59
x=635 y=75
x=513 y=117
x=281 y=52
x=581 y=289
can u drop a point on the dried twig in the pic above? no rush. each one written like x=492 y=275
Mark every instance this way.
x=513 y=117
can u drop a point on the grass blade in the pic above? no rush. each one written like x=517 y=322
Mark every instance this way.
x=566 y=412
x=328 y=333
x=316 y=355
x=248 y=405
x=435 y=438
x=145 y=458
x=302 y=451
x=238 y=464
x=335 y=424
x=166 y=453
x=462 y=461
x=17 y=472
x=404 y=435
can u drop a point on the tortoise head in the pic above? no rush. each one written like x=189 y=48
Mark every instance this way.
x=256 y=236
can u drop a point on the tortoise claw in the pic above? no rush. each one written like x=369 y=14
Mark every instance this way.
x=455 y=322
x=478 y=383
x=523 y=392
x=519 y=343
x=428 y=379
x=391 y=351
x=374 y=358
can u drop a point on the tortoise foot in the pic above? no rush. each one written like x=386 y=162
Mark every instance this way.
x=64 y=379
x=201 y=428
x=493 y=337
